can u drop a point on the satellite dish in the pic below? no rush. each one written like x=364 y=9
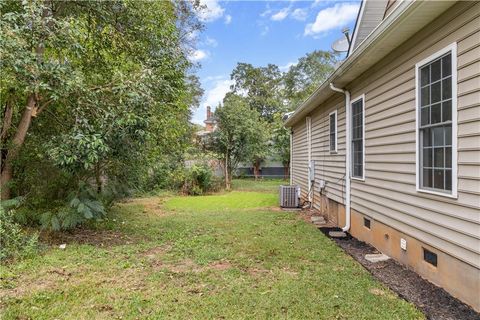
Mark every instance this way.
x=341 y=45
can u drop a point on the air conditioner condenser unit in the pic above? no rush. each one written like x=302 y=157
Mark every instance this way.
x=289 y=196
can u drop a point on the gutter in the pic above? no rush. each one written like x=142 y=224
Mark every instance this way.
x=348 y=164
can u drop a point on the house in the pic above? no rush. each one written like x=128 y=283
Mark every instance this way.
x=210 y=125
x=388 y=148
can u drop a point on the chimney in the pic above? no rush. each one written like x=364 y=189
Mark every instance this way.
x=209 y=113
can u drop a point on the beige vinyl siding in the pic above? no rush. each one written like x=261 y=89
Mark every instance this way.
x=300 y=157
x=329 y=166
x=389 y=193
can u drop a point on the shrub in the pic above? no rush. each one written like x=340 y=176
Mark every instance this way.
x=84 y=205
x=197 y=180
x=14 y=243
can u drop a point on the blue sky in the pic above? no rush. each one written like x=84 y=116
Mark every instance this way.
x=262 y=32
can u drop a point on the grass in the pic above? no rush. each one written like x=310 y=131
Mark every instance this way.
x=226 y=256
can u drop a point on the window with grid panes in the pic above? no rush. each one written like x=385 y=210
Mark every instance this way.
x=435 y=125
x=357 y=139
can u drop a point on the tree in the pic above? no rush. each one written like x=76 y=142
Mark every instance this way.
x=237 y=137
x=261 y=87
x=92 y=89
x=303 y=78
x=281 y=143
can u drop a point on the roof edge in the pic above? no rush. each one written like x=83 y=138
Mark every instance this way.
x=392 y=20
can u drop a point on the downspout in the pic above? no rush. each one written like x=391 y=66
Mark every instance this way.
x=291 y=157
x=347 y=156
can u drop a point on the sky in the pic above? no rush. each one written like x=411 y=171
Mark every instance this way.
x=262 y=32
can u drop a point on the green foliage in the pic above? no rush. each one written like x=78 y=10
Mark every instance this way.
x=84 y=205
x=271 y=93
x=14 y=243
x=194 y=181
x=112 y=89
x=304 y=77
x=281 y=140
x=240 y=133
x=262 y=86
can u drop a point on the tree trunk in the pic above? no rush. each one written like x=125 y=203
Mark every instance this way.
x=22 y=128
x=98 y=178
x=227 y=184
x=286 y=171
x=256 y=169
x=7 y=120
x=17 y=142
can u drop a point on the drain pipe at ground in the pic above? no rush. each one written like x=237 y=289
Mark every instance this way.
x=347 y=156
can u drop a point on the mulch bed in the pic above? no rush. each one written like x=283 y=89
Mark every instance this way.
x=433 y=301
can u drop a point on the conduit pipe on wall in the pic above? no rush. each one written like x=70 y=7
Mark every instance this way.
x=347 y=155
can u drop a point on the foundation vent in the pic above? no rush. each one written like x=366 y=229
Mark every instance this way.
x=430 y=257
x=366 y=223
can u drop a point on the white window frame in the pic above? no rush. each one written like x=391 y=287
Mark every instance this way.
x=362 y=178
x=452 y=48
x=336 y=131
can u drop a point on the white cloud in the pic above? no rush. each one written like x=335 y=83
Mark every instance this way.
x=287 y=66
x=333 y=17
x=211 y=10
x=219 y=86
x=317 y=3
x=299 y=14
x=280 y=15
x=211 y=42
x=228 y=19
x=215 y=95
x=198 y=55
x=212 y=78
x=267 y=11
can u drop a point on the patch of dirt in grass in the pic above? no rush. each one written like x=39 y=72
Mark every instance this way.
x=258 y=272
x=220 y=265
x=131 y=279
x=156 y=252
x=433 y=301
x=188 y=265
x=306 y=215
x=50 y=279
x=151 y=205
x=98 y=238
x=380 y=292
x=275 y=208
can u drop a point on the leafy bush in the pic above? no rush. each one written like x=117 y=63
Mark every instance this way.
x=84 y=205
x=196 y=180
x=14 y=243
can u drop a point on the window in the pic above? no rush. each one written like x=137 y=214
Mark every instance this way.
x=436 y=123
x=358 y=141
x=333 y=131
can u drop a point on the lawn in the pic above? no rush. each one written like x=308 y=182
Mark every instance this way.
x=227 y=256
